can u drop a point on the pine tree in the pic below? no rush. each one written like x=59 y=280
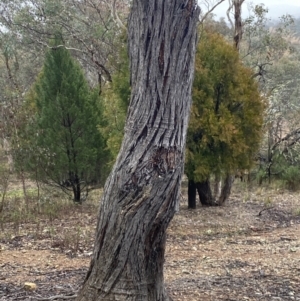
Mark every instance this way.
x=66 y=147
x=226 y=119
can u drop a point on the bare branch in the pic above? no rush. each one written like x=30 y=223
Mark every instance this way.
x=228 y=13
x=61 y=297
x=59 y=46
x=210 y=10
x=295 y=133
x=114 y=14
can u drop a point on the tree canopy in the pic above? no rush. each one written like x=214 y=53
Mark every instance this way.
x=227 y=112
x=63 y=139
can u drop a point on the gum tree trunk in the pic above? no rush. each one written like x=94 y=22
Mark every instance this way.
x=238 y=25
x=142 y=191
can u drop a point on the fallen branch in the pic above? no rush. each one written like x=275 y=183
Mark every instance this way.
x=63 y=297
x=269 y=208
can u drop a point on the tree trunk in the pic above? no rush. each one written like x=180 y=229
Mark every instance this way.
x=238 y=26
x=191 y=194
x=76 y=189
x=142 y=190
x=226 y=190
x=217 y=185
x=205 y=194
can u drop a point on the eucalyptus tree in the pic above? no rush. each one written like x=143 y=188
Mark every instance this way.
x=262 y=43
x=269 y=47
x=117 y=93
x=89 y=28
x=271 y=50
x=141 y=194
x=280 y=148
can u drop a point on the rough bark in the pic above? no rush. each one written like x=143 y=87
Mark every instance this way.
x=141 y=193
x=192 y=194
x=238 y=26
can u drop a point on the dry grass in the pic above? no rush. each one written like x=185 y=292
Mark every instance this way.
x=247 y=250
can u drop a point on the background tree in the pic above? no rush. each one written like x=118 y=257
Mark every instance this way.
x=90 y=28
x=141 y=193
x=270 y=48
x=279 y=150
x=14 y=77
x=226 y=120
x=207 y=7
x=116 y=97
x=237 y=26
x=62 y=142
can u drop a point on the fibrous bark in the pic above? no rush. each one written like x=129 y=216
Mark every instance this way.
x=141 y=194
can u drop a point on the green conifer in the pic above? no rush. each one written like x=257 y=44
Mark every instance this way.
x=66 y=146
x=227 y=113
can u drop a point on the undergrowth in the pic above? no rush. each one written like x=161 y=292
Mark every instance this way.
x=42 y=212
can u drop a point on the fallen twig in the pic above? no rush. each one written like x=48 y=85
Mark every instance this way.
x=269 y=208
x=63 y=297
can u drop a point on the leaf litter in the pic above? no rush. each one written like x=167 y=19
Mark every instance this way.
x=248 y=249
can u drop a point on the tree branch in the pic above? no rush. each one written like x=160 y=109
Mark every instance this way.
x=62 y=297
x=228 y=12
x=287 y=137
x=116 y=16
x=210 y=10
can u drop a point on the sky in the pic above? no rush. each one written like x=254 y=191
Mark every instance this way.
x=276 y=8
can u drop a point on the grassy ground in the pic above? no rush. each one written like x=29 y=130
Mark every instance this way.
x=247 y=250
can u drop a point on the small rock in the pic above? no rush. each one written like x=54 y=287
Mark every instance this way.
x=291 y=294
x=30 y=286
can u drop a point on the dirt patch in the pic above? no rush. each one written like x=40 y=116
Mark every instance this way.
x=247 y=250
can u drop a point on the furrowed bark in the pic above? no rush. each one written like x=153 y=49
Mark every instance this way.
x=141 y=193
x=238 y=26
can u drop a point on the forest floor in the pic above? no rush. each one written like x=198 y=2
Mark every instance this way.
x=248 y=249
